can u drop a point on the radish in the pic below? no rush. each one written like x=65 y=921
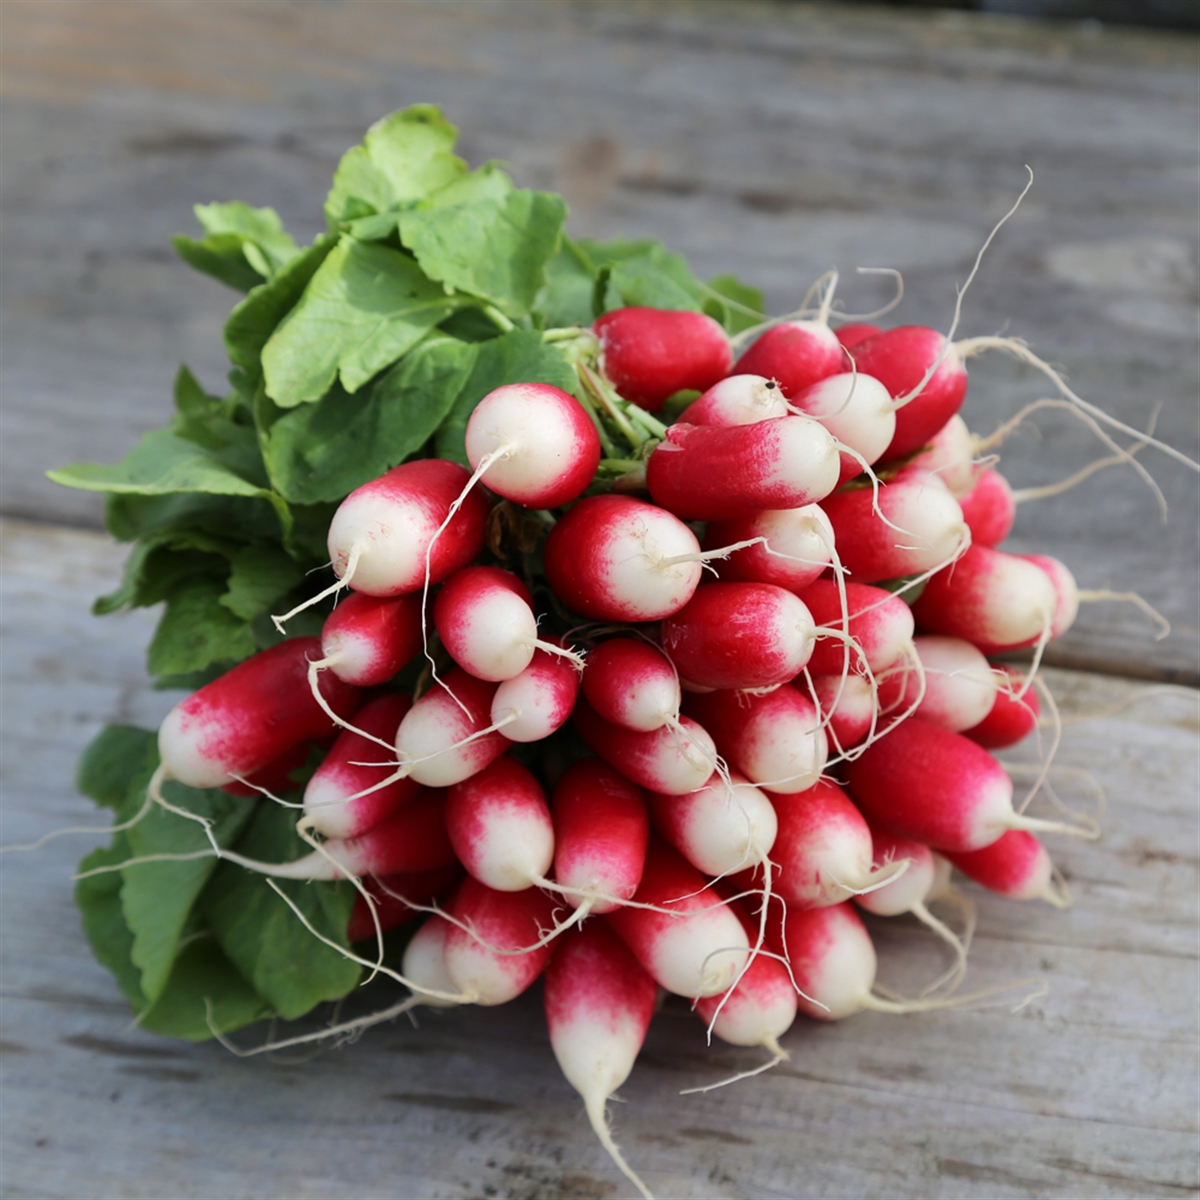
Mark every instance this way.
x=849 y=705
x=383 y=532
x=484 y=617
x=881 y=625
x=649 y=354
x=950 y=455
x=669 y=759
x=424 y=965
x=1012 y=717
x=725 y=826
x=989 y=509
x=713 y=473
x=276 y=776
x=532 y=705
x=852 y=334
x=1015 y=865
x=923 y=529
x=955 y=684
x=695 y=949
x=935 y=786
x=248 y=717
x=499 y=826
x=1066 y=593
x=367 y=639
x=599 y=1003
x=995 y=600
x=445 y=737
x=475 y=961
x=396 y=899
x=347 y=795
x=795 y=545
x=912 y=891
x=901 y=359
x=533 y=444
x=795 y=353
x=737 y=400
x=823 y=849
x=629 y=682
x=740 y=635
x=600 y=834
x=774 y=740
x=857 y=410
x=614 y=558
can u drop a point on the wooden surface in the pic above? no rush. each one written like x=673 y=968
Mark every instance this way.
x=775 y=140
x=1090 y=1091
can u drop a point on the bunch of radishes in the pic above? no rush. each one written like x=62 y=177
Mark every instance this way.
x=674 y=722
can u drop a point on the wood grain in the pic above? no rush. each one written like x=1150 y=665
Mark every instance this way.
x=774 y=140
x=1089 y=1091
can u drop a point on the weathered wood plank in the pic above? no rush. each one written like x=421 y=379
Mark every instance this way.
x=1088 y=1091
x=768 y=139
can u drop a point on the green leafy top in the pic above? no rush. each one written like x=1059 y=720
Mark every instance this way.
x=433 y=285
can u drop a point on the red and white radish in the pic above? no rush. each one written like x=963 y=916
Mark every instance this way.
x=989 y=509
x=532 y=443
x=649 y=354
x=794 y=546
x=631 y=683
x=1017 y=866
x=857 y=410
x=950 y=456
x=532 y=705
x=881 y=626
x=1014 y=713
x=737 y=400
x=955 y=685
x=849 y=706
x=600 y=833
x=795 y=353
x=599 y=1002
x=367 y=639
x=714 y=473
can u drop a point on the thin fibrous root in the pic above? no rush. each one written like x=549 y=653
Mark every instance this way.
x=315 y=667
x=57 y=833
x=599 y=1122
x=975 y=1000
x=332 y=590
x=1091 y=595
x=878 y=878
x=779 y=1054
x=952 y=978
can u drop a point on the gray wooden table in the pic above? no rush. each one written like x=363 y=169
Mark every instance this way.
x=774 y=140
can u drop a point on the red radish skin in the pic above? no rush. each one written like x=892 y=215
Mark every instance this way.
x=275 y=777
x=538 y=701
x=387 y=527
x=737 y=400
x=669 y=759
x=498 y=921
x=707 y=473
x=851 y=335
x=431 y=741
x=698 y=947
x=1016 y=865
x=936 y=787
x=328 y=804
x=858 y=411
x=599 y=1004
x=395 y=897
x=881 y=625
x=832 y=961
x=740 y=635
x=367 y=639
x=795 y=353
x=956 y=684
x=542 y=445
x=823 y=848
x=614 y=558
x=995 y=600
x=797 y=547
x=989 y=509
x=721 y=828
x=499 y=826
x=629 y=682
x=249 y=716
x=484 y=616
x=774 y=740
x=649 y=354
x=850 y=706
x=1010 y=720
x=900 y=358
x=601 y=829
x=934 y=532
x=950 y=456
